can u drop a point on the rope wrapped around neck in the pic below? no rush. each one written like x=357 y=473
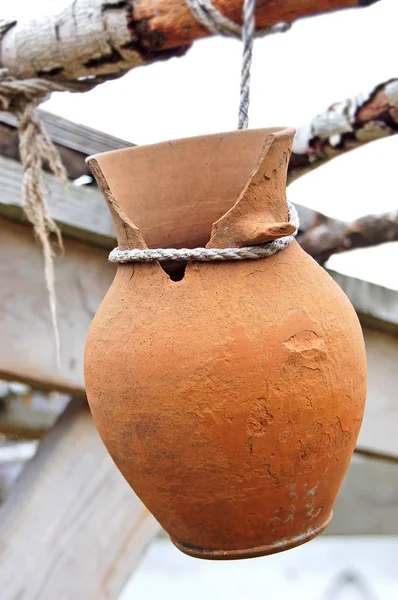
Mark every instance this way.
x=213 y=20
x=208 y=254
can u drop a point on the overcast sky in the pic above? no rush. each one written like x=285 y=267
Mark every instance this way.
x=295 y=76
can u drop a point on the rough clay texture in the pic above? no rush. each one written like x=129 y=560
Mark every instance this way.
x=230 y=400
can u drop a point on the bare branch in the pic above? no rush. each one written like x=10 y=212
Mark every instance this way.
x=331 y=236
x=105 y=38
x=345 y=126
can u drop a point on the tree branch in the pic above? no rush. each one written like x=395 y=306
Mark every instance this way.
x=345 y=126
x=330 y=236
x=105 y=38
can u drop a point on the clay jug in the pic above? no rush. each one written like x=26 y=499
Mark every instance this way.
x=229 y=394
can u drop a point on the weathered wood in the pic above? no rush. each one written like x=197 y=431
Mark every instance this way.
x=74 y=136
x=72 y=161
x=344 y=126
x=379 y=427
x=13 y=456
x=368 y=500
x=71 y=527
x=331 y=236
x=80 y=212
x=74 y=141
x=104 y=38
x=30 y=415
x=27 y=351
x=376 y=304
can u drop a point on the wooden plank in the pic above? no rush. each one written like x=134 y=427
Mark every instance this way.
x=74 y=141
x=74 y=162
x=368 y=500
x=83 y=276
x=370 y=300
x=13 y=456
x=71 y=527
x=72 y=135
x=29 y=415
x=380 y=423
x=80 y=211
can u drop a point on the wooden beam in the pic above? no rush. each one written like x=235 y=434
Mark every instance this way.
x=373 y=302
x=13 y=456
x=368 y=500
x=72 y=135
x=27 y=352
x=80 y=211
x=29 y=416
x=71 y=527
x=379 y=426
x=344 y=126
x=74 y=141
x=106 y=38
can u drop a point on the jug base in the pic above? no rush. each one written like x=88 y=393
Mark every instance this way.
x=280 y=546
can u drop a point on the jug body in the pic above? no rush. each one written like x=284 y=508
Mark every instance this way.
x=230 y=399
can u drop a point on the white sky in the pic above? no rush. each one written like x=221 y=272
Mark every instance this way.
x=294 y=76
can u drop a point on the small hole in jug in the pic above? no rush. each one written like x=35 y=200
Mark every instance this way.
x=175 y=271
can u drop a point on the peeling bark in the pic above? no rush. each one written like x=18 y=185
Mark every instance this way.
x=330 y=236
x=344 y=126
x=88 y=38
x=106 y=38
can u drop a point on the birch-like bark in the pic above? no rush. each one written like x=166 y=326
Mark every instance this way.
x=106 y=38
x=344 y=126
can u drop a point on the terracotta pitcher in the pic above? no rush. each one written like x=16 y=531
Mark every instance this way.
x=230 y=395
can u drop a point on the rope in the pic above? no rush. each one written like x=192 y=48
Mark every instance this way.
x=212 y=19
x=21 y=98
x=208 y=254
x=247 y=39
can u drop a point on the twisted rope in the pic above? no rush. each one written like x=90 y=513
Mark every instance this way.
x=212 y=19
x=21 y=98
x=208 y=254
x=247 y=38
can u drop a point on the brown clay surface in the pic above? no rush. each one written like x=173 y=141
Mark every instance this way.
x=174 y=191
x=230 y=400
